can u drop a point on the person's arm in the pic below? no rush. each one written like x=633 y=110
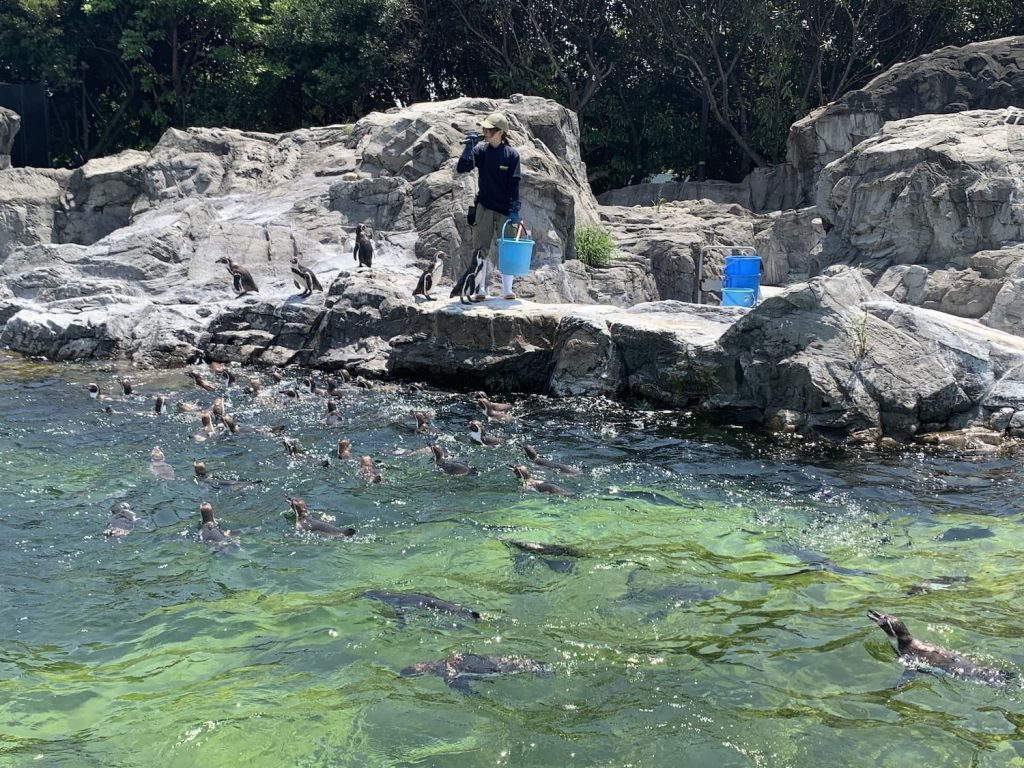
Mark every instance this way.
x=513 y=216
x=467 y=160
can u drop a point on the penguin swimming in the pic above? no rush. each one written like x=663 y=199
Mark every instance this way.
x=530 y=484
x=492 y=405
x=240 y=277
x=422 y=425
x=560 y=558
x=200 y=382
x=479 y=436
x=567 y=469
x=333 y=417
x=95 y=392
x=121 y=522
x=303 y=522
x=472 y=281
x=363 y=249
x=403 y=602
x=498 y=414
x=209 y=532
x=431 y=277
x=460 y=670
x=304 y=278
x=925 y=657
x=344 y=449
x=451 y=467
x=203 y=476
x=158 y=466
x=368 y=470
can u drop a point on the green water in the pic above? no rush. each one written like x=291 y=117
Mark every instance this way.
x=700 y=629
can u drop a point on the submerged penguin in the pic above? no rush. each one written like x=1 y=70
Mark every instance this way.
x=403 y=602
x=460 y=670
x=304 y=278
x=472 y=281
x=431 y=277
x=240 y=277
x=363 y=249
x=121 y=522
x=925 y=657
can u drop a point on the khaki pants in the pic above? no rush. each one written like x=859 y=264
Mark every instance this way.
x=486 y=231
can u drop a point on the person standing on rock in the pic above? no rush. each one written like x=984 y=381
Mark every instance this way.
x=497 y=199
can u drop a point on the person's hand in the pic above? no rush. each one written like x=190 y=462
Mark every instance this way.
x=513 y=217
x=471 y=139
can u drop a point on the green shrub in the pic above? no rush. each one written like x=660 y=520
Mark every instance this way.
x=594 y=246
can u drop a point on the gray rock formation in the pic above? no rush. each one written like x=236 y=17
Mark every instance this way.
x=985 y=75
x=926 y=190
x=764 y=189
x=10 y=122
x=838 y=357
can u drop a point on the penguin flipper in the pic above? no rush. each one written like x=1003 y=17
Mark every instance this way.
x=908 y=674
x=461 y=684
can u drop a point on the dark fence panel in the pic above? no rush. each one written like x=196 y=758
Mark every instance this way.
x=32 y=144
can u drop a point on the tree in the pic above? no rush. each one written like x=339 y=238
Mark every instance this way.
x=559 y=48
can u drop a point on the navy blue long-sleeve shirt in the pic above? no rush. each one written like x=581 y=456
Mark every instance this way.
x=499 y=175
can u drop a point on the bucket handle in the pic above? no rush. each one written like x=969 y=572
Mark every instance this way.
x=520 y=230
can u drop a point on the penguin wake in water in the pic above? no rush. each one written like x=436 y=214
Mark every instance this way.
x=430 y=278
x=472 y=281
x=363 y=249
x=240 y=277
x=304 y=278
x=925 y=657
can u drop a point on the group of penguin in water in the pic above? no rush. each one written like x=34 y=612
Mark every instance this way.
x=460 y=669
x=457 y=670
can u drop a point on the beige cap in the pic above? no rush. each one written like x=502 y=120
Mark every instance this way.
x=496 y=120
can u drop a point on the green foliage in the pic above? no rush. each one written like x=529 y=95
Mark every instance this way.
x=594 y=246
x=708 y=90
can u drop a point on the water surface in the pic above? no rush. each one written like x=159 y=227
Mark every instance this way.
x=717 y=617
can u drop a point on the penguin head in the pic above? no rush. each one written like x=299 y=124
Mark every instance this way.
x=520 y=471
x=206 y=512
x=891 y=625
x=299 y=507
x=199 y=467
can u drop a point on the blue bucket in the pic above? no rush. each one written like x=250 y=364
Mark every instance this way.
x=742 y=265
x=514 y=253
x=738 y=297
x=751 y=282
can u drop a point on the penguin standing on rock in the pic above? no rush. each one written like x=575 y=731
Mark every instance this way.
x=305 y=279
x=431 y=277
x=472 y=281
x=240 y=276
x=363 y=250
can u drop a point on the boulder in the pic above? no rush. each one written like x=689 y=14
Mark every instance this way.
x=926 y=190
x=10 y=122
x=985 y=75
x=838 y=357
x=30 y=202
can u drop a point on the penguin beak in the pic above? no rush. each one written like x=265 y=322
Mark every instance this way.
x=879 y=618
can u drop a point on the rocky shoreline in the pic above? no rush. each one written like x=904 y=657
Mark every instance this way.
x=897 y=320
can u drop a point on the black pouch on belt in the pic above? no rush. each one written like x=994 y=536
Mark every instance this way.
x=471 y=215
